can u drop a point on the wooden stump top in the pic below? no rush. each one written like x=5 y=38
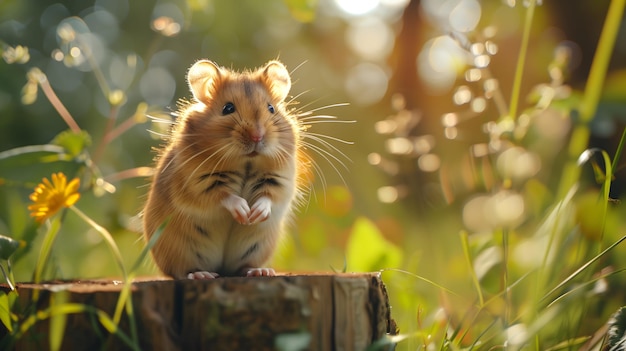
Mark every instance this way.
x=286 y=312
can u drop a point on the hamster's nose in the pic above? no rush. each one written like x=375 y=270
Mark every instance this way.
x=256 y=136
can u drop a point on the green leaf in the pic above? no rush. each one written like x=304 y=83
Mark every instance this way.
x=302 y=10
x=73 y=143
x=7 y=247
x=368 y=250
x=19 y=224
x=29 y=164
x=5 y=311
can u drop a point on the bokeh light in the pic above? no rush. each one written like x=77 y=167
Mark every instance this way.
x=366 y=83
x=439 y=63
x=357 y=7
x=484 y=213
x=371 y=38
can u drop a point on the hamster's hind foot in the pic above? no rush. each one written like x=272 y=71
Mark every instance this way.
x=260 y=272
x=202 y=275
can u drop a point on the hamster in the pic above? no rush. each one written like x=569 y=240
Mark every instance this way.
x=227 y=178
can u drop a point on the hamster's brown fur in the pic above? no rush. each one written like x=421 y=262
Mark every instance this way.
x=227 y=178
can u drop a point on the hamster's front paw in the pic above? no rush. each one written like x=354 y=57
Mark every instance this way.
x=261 y=210
x=202 y=275
x=238 y=207
x=260 y=272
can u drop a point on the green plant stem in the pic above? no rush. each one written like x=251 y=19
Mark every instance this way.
x=137 y=172
x=601 y=59
x=44 y=254
x=105 y=137
x=606 y=189
x=591 y=96
x=505 y=277
x=102 y=82
x=618 y=153
x=468 y=258
x=521 y=62
x=124 y=299
x=107 y=238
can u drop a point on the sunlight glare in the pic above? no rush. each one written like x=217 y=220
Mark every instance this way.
x=357 y=7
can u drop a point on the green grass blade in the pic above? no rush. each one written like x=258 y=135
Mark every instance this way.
x=606 y=189
x=106 y=236
x=74 y=308
x=466 y=252
x=582 y=268
x=618 y=152
x=593 y=89
x=121 y=302
x=112 y=328
x=521 y=61
x=601 y=59
x=149 y=245
x=420 y=278
x=57 y=321
x=44 y=253
x=583 y=285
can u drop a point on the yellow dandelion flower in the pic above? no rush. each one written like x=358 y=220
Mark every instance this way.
x=49 y=197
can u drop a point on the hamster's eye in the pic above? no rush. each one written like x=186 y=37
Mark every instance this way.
x=270 y=108
x=228 y=108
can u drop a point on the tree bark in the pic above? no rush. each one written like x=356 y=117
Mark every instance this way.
x=287 y=312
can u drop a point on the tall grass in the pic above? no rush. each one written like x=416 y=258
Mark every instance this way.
x=545 y=288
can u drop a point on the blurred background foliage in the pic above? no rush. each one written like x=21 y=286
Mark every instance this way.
x=441 y=170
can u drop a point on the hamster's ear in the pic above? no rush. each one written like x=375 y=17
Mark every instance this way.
x=204 y=78
x=277 y=79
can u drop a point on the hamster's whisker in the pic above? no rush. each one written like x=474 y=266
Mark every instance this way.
x=156 y=119
x=310 y=112
x=328 y=148
x=283 y=155
x=177 y=155
x=192 y=135
x=294 y=100
x=330 y=138
x=225 y=157
x=192 y=157
x=160 y=135
x=298 y=66
x=203 y=162
x=328 y=156
x=309 y=123
x=320 y=174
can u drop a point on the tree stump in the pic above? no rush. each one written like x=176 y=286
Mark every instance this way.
x=286 y=312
